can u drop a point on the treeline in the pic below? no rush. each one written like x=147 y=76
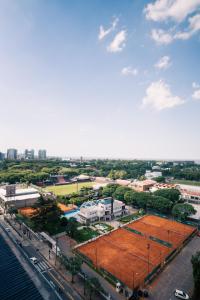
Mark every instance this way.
x=166 y=201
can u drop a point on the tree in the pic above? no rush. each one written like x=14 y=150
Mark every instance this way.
x=109 y=190
x=48 y=216
x=160 y=179
x=71 y=228
x=160 y=204
x=130 y=197
x=73 y=265
x=12 y=211
x=92 y=285
x=142 y=199
x=171 y=194
x=120 y=192
x=196 y=275
x=182 y=211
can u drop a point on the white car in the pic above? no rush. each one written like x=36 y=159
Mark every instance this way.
x=34 y=260
x=7 y=229
x=181 y=295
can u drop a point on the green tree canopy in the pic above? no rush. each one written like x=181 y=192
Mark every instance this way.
x=160 y=204
x=182 y=211
x=171 y=194
x=120 y=192
x=196 y=275
x=109 y=190
x=130 y=197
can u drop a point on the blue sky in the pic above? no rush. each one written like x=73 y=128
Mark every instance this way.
x=101 y=78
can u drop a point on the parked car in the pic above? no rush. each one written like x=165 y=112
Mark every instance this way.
x=7 y=229
x=181 y=295
x=34 y=260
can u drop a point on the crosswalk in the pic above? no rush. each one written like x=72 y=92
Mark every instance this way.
x=41 y=266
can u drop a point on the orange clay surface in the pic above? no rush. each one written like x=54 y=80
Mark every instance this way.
x=125 y=254
x=164 y=229
x=66 y=208
x=28 y=211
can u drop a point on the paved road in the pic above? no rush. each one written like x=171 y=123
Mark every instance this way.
x=178 y=274
x=57 y=286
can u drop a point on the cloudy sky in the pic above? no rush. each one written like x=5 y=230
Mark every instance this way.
x=101 y=78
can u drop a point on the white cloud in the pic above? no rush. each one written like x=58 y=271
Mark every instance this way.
x=129 y=71
x=118 y=43
x=104 y=32
x=161 y=37
x=177 y=10
x=163 y=63
x=159 y=96
x=194 y=27
x=196 y=95
x=195 y=85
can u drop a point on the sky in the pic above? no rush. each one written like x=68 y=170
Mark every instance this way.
x=97 y=78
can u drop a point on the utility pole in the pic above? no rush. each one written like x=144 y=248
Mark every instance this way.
x=148 y=248
x=56 y=250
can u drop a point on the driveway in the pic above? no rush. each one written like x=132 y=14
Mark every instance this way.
x=178 y=274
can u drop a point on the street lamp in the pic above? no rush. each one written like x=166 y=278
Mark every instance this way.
x=133 y=282
x=148 y=248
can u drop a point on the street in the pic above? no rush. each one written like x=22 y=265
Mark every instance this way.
x=176 y=275
x=47 y=274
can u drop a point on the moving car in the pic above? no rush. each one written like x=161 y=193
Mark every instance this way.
x=181 y=295
x=34 y=260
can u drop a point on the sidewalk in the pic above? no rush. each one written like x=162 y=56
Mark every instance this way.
x=78 y=286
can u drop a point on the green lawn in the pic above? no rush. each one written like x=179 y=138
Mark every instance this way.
x=189 y=182
x=61 y=190
x=85 y=234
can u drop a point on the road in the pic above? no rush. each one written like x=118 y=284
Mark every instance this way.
x=177 y=275
x=48 y=275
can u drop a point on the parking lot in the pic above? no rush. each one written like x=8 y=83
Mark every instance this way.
x=177 y=275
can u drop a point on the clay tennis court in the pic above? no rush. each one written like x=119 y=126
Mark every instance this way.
x=129 y=256
x=28 y=211
x=164 y=229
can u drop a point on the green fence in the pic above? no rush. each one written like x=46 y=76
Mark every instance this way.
x=169 y=245
x=154 y=271
x=133 y=230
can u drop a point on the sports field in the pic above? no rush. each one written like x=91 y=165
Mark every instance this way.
x=130 y=256
x=164 y=229
x=61 y=190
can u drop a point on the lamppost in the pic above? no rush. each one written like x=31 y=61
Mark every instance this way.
x=148 y=248
x=133 y=282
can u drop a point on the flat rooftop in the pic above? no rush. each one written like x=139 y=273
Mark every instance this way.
x=15 y=283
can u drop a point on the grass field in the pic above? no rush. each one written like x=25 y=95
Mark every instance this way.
x=61 y=190
x=189 y=182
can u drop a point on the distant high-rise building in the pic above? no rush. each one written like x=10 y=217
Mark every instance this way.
x=42 y=154
x=2 y=156
x=29 y=154
x=12 y=154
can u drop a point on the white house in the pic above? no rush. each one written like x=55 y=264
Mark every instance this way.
x=102 y=209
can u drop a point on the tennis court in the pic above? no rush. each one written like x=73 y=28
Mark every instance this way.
x=164 y=229
x=131 y=256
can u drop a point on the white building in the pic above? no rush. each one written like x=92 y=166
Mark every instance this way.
x=103 y=209
x=191 y=194
x=151 y=175
x=11 y=196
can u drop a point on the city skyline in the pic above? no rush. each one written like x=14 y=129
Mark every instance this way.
x=95 y=79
